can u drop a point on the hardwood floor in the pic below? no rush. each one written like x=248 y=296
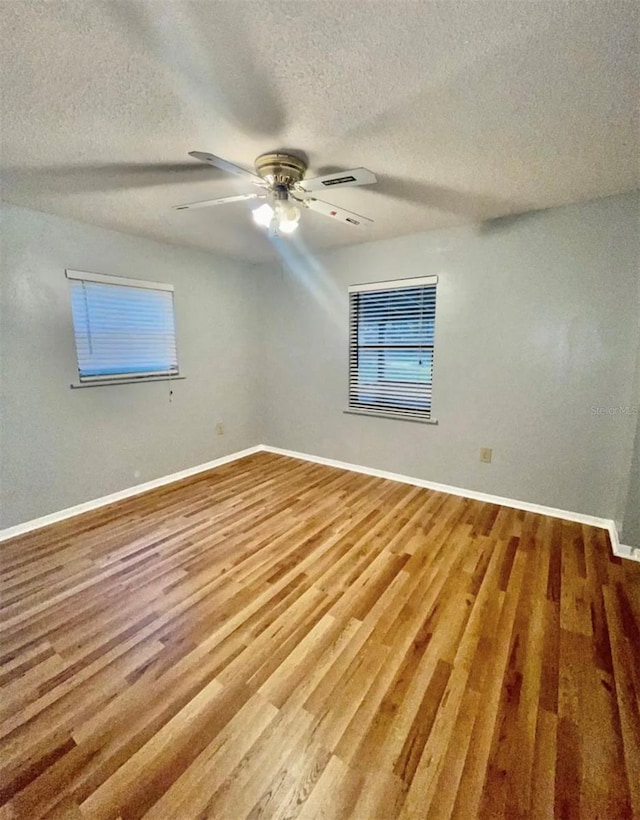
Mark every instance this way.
x=281 y=639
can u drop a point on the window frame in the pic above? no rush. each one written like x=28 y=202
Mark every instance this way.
x=124 y=377
x=415 y=415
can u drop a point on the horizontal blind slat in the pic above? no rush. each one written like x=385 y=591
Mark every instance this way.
x=391 y=344
x=123 y=330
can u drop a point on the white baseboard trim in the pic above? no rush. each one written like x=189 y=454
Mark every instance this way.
x=604 y=523
x=625 y=551
x=622 y=550
x=69 y=512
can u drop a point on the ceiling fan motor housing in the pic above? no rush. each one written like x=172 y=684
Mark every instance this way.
x=280 y=171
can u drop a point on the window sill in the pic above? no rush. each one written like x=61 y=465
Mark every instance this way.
x=380 y=414
x=139 y=380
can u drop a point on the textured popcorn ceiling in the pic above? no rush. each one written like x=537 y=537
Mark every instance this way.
x=466 y=111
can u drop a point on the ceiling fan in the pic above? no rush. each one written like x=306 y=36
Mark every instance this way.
x=280 y=178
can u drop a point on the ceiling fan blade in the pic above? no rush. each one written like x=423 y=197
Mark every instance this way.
x=214 y=69
x=341 y=179
x=103 y=177
x=223 y=200
x=469 y=205
x=229 y=167
x=341 y=214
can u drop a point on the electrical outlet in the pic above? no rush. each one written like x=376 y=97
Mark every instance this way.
x=485 y=455
x=219 y=429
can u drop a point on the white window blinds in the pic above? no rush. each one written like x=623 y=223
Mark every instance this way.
x=391 y=342
x=124 y=328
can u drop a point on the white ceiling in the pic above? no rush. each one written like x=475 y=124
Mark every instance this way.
x=465 y=109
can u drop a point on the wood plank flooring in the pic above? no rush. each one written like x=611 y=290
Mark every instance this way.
x=279 y=639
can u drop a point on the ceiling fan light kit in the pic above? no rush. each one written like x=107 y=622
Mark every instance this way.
x=280 y=176
x=283 y=218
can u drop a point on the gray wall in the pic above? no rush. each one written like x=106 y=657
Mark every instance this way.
x=628 y=517
x=60 y=447
x=537 y=323
x=630 y=534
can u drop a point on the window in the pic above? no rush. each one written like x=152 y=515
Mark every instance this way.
x=124 y=328
x=391 y=338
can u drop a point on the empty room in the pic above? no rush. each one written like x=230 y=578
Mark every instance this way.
x=320 y=409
